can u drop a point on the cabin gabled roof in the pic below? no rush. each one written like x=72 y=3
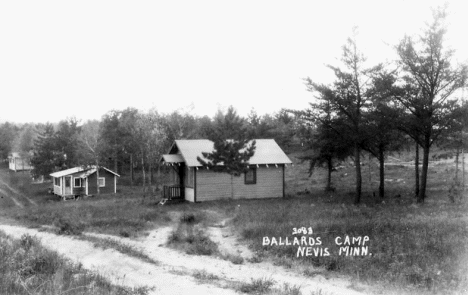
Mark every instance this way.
x=267 y=151
x=17 y=155
x=86 y=171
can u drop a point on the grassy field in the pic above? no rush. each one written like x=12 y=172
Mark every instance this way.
x=412 y=248
x=27 y=268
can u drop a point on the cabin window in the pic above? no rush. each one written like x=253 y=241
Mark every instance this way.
x=57 y=181
x=251 y=176
x=102 y=181
x=77 y=182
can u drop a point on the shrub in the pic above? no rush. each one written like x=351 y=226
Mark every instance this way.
x=257 y=286
x=290 y=290
x=235 y=259
x=188 y=218
x=41 y=264
x=26 y=242
x=193 y=241
x=200 y=244
x=203 y=275
x=67 y=227
x=455 y=193
x=124 y=233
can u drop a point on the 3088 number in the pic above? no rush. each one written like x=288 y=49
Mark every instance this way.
x=302 y=230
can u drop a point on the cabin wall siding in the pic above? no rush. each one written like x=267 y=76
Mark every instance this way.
x=19 y=164
x=92 y=182
x=215 y=185
x=57 y=189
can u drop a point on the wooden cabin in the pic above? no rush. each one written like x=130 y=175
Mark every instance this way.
x=195 y=183
x=79 y=181
x=18 y=163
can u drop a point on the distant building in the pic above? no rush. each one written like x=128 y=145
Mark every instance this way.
x=194 y=183
x=18 y=163
x=83 y=181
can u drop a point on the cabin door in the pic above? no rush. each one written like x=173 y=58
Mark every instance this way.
x=68 y=185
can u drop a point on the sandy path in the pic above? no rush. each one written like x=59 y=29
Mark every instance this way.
x=120 y=269
x=172 y=274
x=152 y=245
x=228 y=243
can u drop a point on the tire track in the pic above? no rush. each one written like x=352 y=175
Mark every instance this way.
x=17 y=203
x=118 y=268
x=14 y=191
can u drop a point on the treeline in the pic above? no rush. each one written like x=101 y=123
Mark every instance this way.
x=375 y=109
x=380 y=108
x=132 y=140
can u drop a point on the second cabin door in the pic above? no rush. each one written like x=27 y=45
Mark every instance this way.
x=68 y=187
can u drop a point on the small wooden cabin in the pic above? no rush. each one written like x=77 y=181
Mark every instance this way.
x=194 y=183
x=18 y=163
x=83 y=181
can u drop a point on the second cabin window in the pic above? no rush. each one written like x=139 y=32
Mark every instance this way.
x=77 y=182
x=251 y=176
x=102 y=181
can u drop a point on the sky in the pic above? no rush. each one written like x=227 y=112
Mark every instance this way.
x=63 y=59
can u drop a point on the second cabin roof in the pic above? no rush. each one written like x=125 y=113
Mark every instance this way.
x=86 y=171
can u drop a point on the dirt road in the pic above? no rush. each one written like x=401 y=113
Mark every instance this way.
x=174 y=272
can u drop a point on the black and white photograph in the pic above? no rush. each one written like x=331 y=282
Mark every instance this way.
x=233 y=147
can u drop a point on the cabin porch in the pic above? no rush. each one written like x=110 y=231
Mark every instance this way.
x=173 y=192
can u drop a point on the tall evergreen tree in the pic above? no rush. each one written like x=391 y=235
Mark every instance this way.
x=321 y=133
x=45 y=155
x=8 y=133
x=110 y=134
x=128 y=139
x=381 y=132
x=232 y=148
x=428 y=69
x=67 y=143
x=350 y=99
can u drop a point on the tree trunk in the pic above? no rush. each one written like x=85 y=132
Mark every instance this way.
x=369 y=172
x=131 y=170
x=330 y=168
x=425 y=168
x=144 y=174
x=116 y=168
x=457 y=156
x=463 y=169
x=382 y=173
x=357 y=163
x=416 y=171
x=150 y=173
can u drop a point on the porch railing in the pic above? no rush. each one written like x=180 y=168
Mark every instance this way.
x=172 y=192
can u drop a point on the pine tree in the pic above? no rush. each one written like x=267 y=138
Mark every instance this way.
x=350 y=99
x=232 y=149
x=433 y=79
x=45 y=154
x=322 y=135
